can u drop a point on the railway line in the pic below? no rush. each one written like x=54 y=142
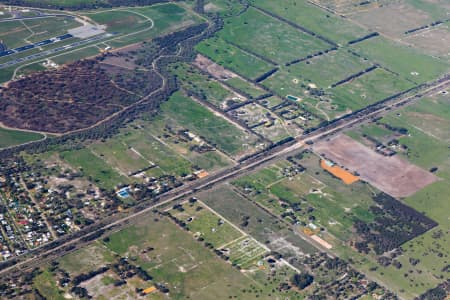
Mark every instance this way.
x=116 y=222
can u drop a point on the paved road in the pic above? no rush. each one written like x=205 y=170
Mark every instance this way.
x=55 y=50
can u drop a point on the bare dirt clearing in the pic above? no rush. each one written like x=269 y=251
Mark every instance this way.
x=391 y=175
x=214 y=69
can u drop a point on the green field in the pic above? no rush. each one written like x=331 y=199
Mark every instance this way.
x=86 y=259
x=203 y=122
x=190 y=270
x=94 y=168
x=15 y=137
x=335 y=206
x=314 y=19
x=427 y=146
x=139 y=24
x=269 y=37
x=233 y=58
x=368 y=89
x=327 y=69
x=201 y=85
x=402 y=60
x=246 y=87
x=207 y=225
x=261 y=225
x=19 y=33
x=65 y=3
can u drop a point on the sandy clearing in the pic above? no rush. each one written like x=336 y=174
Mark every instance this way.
x=392 y=175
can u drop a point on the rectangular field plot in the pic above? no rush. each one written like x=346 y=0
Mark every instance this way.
x=431 y=116
x=89 y=258
x=205 y=88
x=245 y=252
x=255 y=221
x=434 y=41
x=172 y=257
x=246 y=87
x=188 y=145
x=368 y=89
x=314 y=19
x=214 y=129
x=154 y=151
x=120 y=155
x=270 y=38
x=396 y=18
x=327 y=69
x=233 y=58
x=406 y=61
x=205 y=224
x=264 y=122
x=392 y=175
x=91 y=165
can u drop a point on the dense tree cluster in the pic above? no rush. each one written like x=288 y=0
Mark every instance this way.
x=302 y=280
x=440 y=292
x=394 y=224
x=73 y=97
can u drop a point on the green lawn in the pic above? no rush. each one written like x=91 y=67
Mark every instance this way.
x=14 y=137
x=269 y=37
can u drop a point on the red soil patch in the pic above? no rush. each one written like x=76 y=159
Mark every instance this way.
x=345 y=176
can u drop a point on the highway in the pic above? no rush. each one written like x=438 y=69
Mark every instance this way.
x=118 y=221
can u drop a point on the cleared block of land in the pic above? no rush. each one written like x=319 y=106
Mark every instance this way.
x=392 y=175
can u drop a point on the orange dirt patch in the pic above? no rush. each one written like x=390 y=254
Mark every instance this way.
x=149 y=290
x=201 y=174
x=345 y=176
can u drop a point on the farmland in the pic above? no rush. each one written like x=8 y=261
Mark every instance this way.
x=193 y=116
x=224 y=149
x=294 y=44
x=234 y=58
x=173 y=260
x=314 y=19
x=424 y=143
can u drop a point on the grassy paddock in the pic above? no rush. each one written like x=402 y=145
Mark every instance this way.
x=15 y=137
